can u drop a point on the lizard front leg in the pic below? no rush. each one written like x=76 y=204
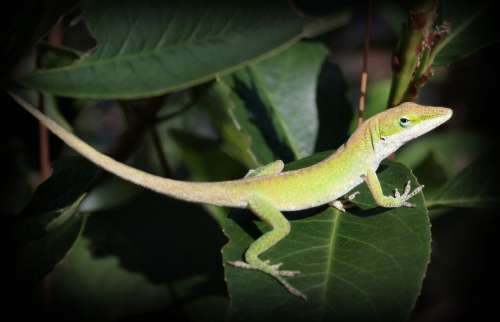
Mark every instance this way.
x=382 y=200
x=280 y=229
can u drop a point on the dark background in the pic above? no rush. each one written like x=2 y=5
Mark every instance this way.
x=462 y=282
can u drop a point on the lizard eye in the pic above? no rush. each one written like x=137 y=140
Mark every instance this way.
x=404 y=122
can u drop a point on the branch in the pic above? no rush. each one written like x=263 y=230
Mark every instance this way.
x=364 y=73
x=411 y=49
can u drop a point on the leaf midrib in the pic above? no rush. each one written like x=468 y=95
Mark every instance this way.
x=331 y=257
x=91 y=60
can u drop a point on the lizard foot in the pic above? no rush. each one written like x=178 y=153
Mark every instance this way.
x=242 y=264
x=338 y=204
x=407 y=194
x=274 y=271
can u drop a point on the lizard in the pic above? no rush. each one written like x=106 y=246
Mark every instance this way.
x=268 y=190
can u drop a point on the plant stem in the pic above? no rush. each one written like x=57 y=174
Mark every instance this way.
x=44 y=145
x=407 y=55
x=55 y=37
x=364 y=73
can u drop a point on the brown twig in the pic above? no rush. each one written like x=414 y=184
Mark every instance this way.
x=364 y=73
x=44 y=145
x=55 y=37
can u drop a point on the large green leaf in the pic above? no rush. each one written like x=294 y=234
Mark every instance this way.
x=269 y=104
x=89 y=287
x=259 y=114
x=152 y=256
x=152 y=47
x=50 y=224
x=241 y=139
x=473 y=25
x=287 y=83
x=475 y=187
x=363 y=265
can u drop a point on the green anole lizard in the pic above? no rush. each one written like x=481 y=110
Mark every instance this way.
x=267 y=191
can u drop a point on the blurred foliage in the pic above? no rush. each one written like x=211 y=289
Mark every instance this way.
x=242 y=85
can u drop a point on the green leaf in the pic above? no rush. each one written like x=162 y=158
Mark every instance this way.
x=473 y=26
x=50 y=224
x=376 y=101
x=335 y=112
x=241 y=139
x=287 y=83
x=377 y=97
x=270 y=104
x=452 y=149
x=475 y=187
x=206 y=162
x=94 y=287
x=261 y=115
x=152 y=255
x=204 y=159
x=52 y=56
x=362 y=265
x=51 y=108
x=112 y=191
x=153 y=47
x=433 y=173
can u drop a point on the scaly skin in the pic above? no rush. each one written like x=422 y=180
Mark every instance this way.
x=267 y=191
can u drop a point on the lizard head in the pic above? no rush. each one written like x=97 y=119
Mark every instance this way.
x=398 y=125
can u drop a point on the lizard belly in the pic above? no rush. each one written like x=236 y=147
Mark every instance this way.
x=290 y=193
x=320 y=199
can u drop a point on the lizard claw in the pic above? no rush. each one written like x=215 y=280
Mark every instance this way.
x=337 y=204
x=275 y=266
x=353 y=195
x=408 y=204
x=407 y=195
x=407 y=188
x=288 y=273
x=274 y=271
x=241 y=264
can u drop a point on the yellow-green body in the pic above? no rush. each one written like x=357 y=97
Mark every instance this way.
x=298 y=189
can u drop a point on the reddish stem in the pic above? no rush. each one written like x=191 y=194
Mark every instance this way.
x=364 y=73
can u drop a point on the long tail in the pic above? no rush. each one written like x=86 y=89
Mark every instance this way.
x=216 y=193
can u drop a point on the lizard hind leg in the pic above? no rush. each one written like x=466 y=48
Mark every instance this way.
x=338 y=204
x=280 y=229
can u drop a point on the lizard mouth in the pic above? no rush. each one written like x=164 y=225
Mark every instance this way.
x=443 y=114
